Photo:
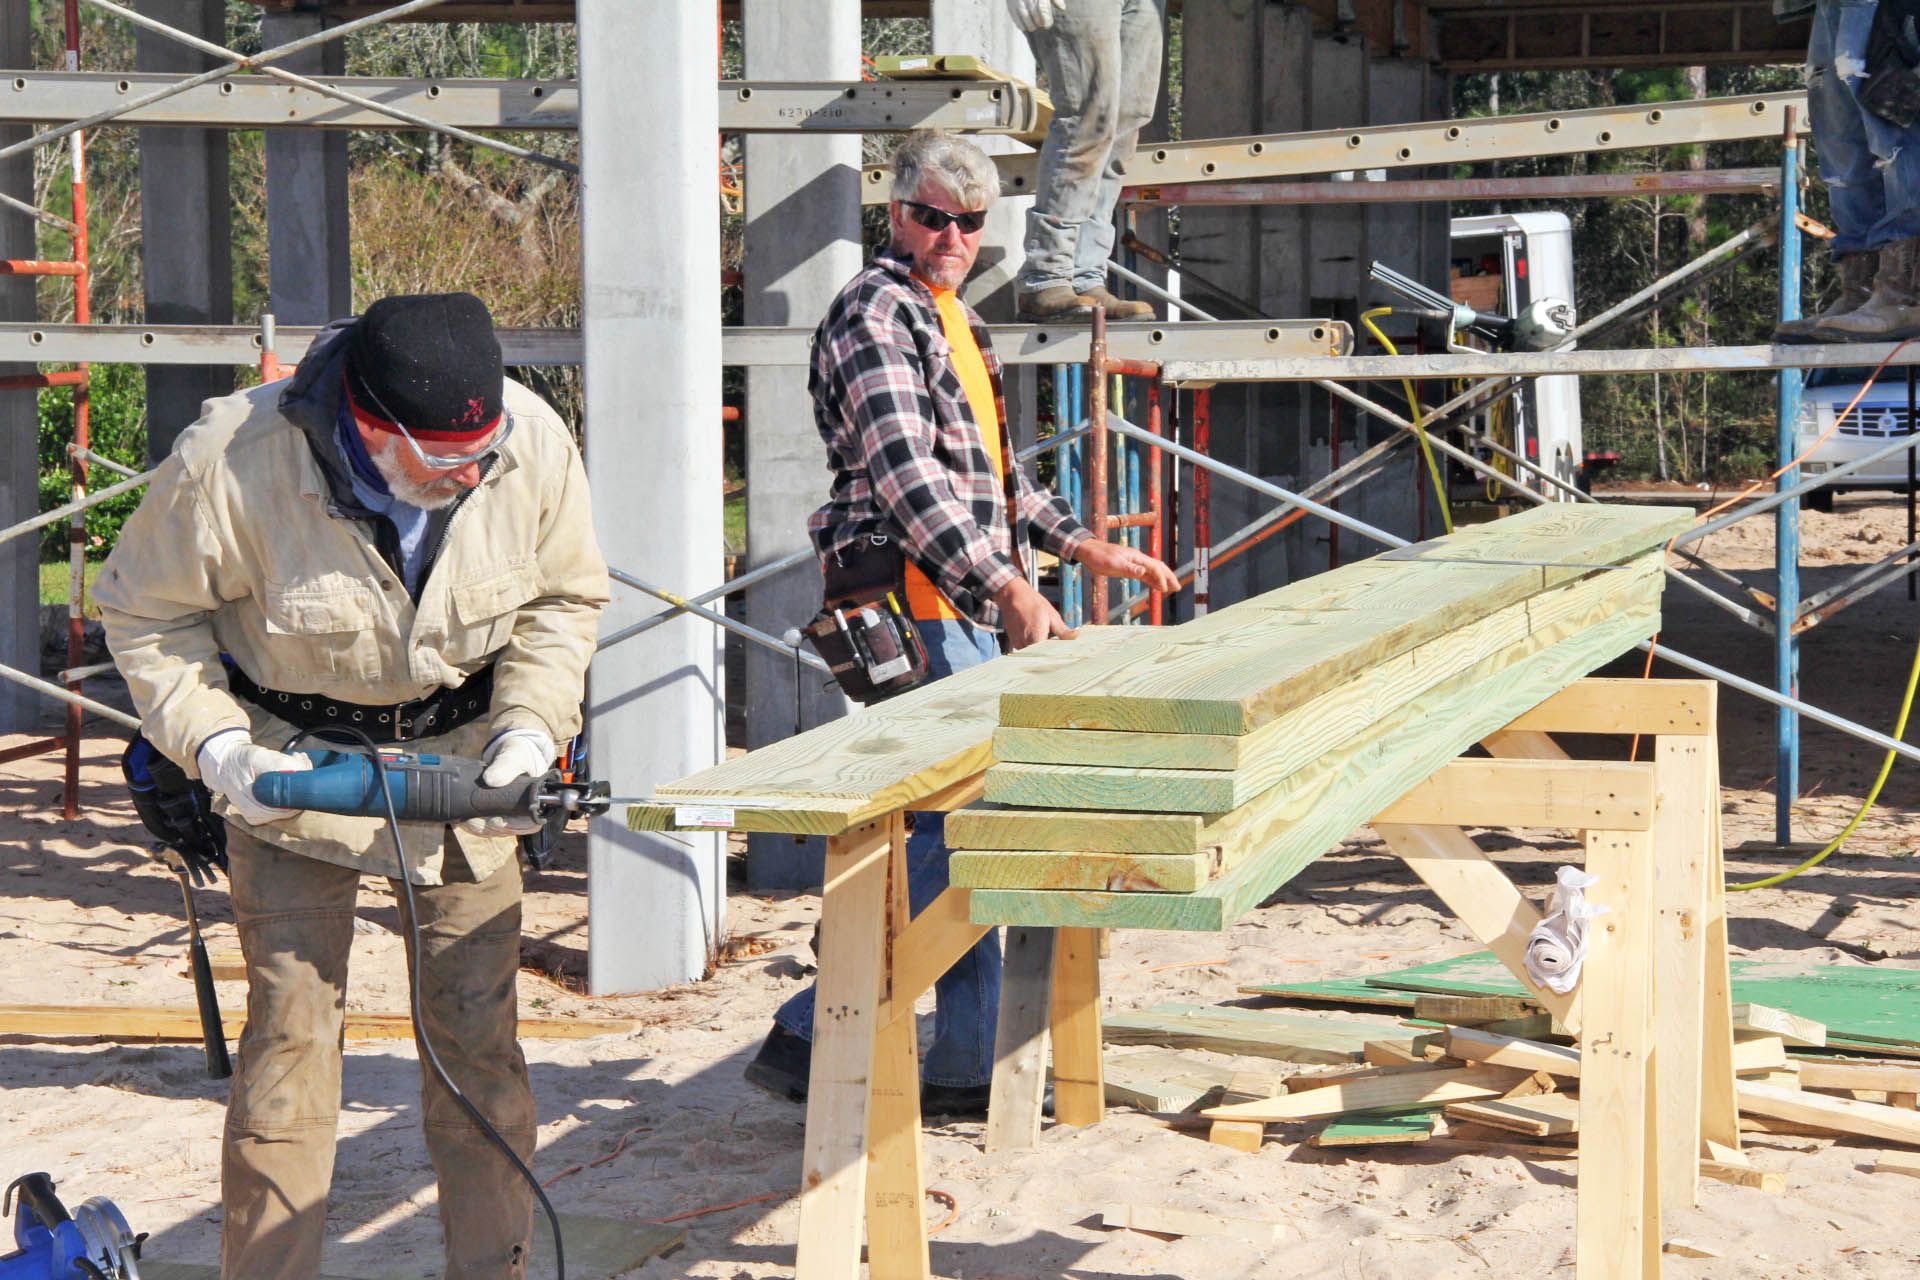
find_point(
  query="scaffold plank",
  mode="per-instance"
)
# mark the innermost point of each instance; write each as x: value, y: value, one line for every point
x: 1569, y: 186
x: 261, y: 102
x: 1468, y: 140
x: 740, y: 345
x: 1533, y: 364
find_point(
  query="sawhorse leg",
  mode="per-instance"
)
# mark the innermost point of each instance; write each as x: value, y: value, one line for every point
x: 1618, y: 1231
x: 1079, y: 1083
x: 1020, y: 1039
x: 896, y: 1217
x: 861, y: 1071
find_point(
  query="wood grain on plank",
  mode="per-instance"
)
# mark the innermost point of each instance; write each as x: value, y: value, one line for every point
x: 1332, y: 799
x: 1234, y: 679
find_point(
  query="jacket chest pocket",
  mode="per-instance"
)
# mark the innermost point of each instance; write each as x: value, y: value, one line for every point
x: 484, y: 610
x: 325, y: 629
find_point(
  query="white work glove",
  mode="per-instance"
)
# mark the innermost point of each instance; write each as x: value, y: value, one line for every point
x: 229, y: 762
x: 515, y: 754
x: 1034, y: 15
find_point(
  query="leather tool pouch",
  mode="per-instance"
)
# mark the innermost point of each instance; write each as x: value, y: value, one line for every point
x: 1892, y: 87
x: 862, y: 631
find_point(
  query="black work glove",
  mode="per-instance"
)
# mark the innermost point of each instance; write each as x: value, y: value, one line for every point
x: 188, y: 838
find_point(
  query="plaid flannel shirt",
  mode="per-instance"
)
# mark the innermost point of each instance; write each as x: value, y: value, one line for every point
x: 905, y: 451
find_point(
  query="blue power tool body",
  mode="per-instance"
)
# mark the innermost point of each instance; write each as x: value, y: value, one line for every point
x: 427, y: 788
x: 92, y: 1243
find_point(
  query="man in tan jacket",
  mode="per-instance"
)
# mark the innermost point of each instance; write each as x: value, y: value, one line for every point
x: 396, y: 539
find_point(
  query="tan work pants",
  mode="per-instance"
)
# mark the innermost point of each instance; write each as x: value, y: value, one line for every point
x: 296, y: 928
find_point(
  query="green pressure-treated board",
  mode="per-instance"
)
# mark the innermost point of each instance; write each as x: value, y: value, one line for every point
x: 1120, y: 872
x: 1300, y: 641
x: 1254, y: 1033
x: 1309, y: 732
x: 1568, y: 613
x: 882, y: 758
x: 1335, y: 991
x: 1333, y: 799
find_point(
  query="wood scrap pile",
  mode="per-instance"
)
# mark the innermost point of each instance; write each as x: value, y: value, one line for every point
x: 1468, y: 1081
x: 1176, y: 785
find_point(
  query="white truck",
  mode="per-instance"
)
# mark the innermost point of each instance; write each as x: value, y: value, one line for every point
x: 1501, y: 263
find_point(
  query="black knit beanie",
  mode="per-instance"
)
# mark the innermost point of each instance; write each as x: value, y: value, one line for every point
x: 429, y: 362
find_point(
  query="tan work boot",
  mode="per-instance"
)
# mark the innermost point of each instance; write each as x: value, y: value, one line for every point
x: 1856, y: 286
x: 1054, y: 303
x: 1892, y: 311
x: 1118, y: 308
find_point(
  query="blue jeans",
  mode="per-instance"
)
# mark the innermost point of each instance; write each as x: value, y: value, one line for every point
x: 967, y: 996
x: 1871, y: 167
x: 1102, y: 59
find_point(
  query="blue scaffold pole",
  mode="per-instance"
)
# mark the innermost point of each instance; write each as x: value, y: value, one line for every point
x: 1786, y: 645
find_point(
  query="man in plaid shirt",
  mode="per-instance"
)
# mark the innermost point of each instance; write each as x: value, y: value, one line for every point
x: 906, y: 394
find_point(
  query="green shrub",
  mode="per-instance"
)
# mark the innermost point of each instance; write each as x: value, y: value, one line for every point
x: 117, y: 419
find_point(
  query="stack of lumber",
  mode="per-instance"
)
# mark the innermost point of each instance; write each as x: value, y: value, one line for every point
x: 1466, y: 1083
x: 1175, y: 784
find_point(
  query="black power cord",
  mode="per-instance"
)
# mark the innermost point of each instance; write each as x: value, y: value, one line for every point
x: 372, y: 750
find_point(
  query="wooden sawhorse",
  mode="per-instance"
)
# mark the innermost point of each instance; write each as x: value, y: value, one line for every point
x: 1652, y: 1014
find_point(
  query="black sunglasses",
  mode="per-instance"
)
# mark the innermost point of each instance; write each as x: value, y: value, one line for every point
x: 937, y: 220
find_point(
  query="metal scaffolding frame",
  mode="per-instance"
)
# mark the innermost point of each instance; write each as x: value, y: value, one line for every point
x: 1300, y: 350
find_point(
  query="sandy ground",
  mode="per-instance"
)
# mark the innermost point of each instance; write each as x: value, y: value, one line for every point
x: 664, y: 1113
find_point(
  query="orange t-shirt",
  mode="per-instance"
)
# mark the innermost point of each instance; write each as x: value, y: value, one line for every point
x: 924, y: 599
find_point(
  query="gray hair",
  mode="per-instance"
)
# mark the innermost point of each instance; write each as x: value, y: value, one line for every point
x: 936, y: 158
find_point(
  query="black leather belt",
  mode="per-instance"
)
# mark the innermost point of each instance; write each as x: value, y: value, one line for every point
x: 439, y: 712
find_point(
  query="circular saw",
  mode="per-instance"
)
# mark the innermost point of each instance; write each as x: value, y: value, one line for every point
x: 93, y: 1242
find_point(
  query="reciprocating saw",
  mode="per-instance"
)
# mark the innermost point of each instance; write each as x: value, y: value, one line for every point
x: 428, y: 788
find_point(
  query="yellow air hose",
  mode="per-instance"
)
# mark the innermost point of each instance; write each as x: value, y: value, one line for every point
x: 1419, y: 420
x: 1886, y: 767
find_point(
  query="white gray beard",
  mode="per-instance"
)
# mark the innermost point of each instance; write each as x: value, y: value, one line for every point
x: 426, y: 497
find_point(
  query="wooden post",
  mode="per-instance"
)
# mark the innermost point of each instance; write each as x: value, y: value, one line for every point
x: 896, y: 1221
x: 1681, y: 832
x: 853, y: 923
x: 1020, y: 1042
x: 1618, y: 1231
x: 1079, y: 1089
x: 1719, y: 1108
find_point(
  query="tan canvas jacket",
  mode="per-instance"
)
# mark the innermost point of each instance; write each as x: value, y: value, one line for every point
x: 241, y: 548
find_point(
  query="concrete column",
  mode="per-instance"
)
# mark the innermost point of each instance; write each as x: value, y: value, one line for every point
x: 802, y: 245
x: 310, y: 276
x: 186, y: 237
x: 19, y: 418
x: 984, y: 29
x: 656, y: 906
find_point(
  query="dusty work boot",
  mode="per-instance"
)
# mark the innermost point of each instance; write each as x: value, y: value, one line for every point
x: 1856, y: 272
x: 1054, y: 303
x: 782, y: 1065
x: 1892, y: 311
x: 1118, y: 308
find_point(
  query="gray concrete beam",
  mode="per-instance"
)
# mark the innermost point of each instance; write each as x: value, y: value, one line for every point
x: 984, y: 29
x: 186, y: 234
x: 657, y: 901
x: 309, y: 255
x: 19, y: 419
x: 802, y: 245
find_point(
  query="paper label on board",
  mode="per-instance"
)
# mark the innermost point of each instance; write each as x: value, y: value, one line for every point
x: 702, y: 816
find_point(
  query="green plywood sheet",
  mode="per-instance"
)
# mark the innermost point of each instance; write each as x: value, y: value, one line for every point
x: 1340, y: 796
x: 1366, y: 1130
x: 1864, y: 1007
